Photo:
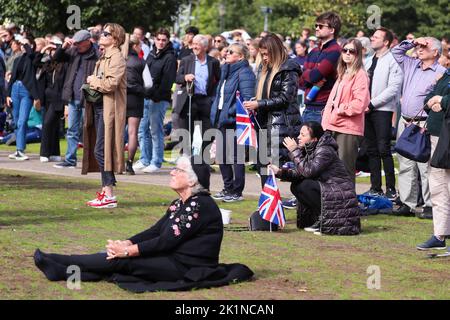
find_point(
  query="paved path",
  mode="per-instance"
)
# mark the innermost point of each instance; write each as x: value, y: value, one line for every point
x: 252, y: 184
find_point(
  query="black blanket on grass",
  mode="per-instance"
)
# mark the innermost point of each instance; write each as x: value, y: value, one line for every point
x: 195, y: 278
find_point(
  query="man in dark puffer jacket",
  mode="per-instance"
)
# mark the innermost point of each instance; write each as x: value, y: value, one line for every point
x: 317, y: 163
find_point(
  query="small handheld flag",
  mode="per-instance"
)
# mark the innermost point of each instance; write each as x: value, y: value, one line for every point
x: 270, y: 205
x: 245, y: 130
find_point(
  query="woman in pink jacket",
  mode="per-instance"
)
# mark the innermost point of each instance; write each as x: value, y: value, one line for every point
x: 344, y: 112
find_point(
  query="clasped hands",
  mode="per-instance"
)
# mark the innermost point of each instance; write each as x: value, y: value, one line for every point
x: 291, y: 145
x: 435, y: 103
x: 116, y: 249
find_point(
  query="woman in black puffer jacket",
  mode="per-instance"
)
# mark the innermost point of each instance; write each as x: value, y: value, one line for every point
x: 327, y: 202
x: 276, y: 105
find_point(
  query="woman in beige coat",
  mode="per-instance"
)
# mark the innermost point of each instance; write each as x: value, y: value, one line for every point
x: 105, y: 121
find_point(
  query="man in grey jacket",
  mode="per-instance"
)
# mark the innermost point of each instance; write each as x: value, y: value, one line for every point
x: 386, y: 79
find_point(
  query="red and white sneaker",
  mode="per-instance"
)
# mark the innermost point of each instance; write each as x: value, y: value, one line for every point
x: 103, y: 202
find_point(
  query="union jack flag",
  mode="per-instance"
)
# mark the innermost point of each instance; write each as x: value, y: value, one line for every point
x: 245, y: 130
x: 270, y: 206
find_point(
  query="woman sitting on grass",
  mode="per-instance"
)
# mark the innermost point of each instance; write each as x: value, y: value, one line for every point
x: 321, y: 184
x: 180, y: 252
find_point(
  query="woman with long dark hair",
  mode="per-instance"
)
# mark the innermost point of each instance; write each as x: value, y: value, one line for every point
x: 276, y: 100
x: 327, y: 202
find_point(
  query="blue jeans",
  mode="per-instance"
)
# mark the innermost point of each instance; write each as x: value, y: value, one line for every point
x: 33, y: 135
x: 312, y: 115
x: 73, y: 131
x: 22, y: 104
x: 145, y: 144
x: 157, y: 111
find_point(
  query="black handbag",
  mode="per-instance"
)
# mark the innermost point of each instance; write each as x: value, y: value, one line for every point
x: 414, y: 142
x: 441, y: 155
x: 91, y: 95
x: 256, y: 223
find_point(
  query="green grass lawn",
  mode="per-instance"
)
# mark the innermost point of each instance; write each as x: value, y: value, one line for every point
x: 49, y: 213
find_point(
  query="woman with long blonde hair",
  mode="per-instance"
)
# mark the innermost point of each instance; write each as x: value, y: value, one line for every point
x: 276, y: 100
x: 349, y: 99
x: 105, y: 120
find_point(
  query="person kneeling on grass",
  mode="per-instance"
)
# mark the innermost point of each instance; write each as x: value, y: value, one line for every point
x: 180, y: 252
x: 320, y: 182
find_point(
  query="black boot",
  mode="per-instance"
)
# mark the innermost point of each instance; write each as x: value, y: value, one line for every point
x: 129, y: 169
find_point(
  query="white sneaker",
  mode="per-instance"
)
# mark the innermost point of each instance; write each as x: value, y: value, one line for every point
x: 44, y: 159
x: 54, y: 159
x: 318, y: 233
x: 103, y: 202
x: 362, y: 174
x: 13, y: 155
x: 151, y: 169
x: 138, y: 165
x: 20, y: 156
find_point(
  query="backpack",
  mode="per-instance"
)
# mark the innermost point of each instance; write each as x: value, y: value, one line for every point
x: 256, y: 223
x: 373, y: 204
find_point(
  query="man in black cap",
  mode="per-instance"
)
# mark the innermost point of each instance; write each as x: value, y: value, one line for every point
x: 80, y: 56
x: 191, y: 32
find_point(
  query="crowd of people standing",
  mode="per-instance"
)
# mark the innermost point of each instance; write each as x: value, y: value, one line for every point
x: 318, y: 103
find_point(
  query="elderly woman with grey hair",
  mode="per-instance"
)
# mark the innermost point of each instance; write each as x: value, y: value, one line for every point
x: 180, y: 252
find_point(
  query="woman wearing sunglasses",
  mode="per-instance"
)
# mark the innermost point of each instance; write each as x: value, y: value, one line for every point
x: 236, y: 75
x: 105, y: 120
x: 349, y: 99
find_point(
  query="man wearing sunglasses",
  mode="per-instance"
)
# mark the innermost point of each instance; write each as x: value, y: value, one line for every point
x: 320, y: 66
x: 420, y: 76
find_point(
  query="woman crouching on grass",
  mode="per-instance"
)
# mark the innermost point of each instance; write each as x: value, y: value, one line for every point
x: 327, y: 202
x: 180, y: 252
x: 105, y: 121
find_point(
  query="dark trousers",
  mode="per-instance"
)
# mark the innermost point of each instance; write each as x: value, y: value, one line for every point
x: 378, y: 134
x: 307, y: 193
x: 108, y: 178
x: 200, y: 112
x: 50, y: 132
x: 227, y: 157
x: 95, y: 267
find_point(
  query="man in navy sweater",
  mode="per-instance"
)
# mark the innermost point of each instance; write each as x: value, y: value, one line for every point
x: 320, y: 66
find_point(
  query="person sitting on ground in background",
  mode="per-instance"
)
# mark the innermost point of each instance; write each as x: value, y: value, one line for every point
x: 327, y: 202
x: 33, y: 132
